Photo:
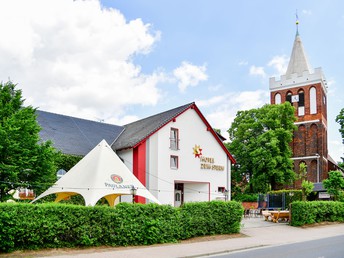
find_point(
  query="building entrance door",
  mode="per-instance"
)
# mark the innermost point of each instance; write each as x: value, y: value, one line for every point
x: 177, y: 198
x: 178, y: 194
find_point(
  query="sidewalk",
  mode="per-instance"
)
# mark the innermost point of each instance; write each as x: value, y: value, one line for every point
x: 258, y: 233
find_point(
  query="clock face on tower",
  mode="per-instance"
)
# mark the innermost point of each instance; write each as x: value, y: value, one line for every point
x: 295, y: 98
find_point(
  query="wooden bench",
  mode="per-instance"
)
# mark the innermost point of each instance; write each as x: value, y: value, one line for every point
x: 266, y: 215
x: 276, y: 215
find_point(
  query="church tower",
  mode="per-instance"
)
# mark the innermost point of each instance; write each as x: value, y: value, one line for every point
x: 306, y: 90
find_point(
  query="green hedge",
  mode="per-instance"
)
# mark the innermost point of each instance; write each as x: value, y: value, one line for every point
x: 316, y: 211
x: 28, y: 226
x: 245, y: 197
x: 210, y: 218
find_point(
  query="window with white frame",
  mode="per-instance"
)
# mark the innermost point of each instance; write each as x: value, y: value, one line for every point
x: 278, y: 98
x: 301, y: 103
x: 174, y: 139
x: 174, y: 162
x: 313, y: 100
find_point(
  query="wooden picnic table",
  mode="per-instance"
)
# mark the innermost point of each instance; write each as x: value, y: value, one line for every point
x: 276, y: 215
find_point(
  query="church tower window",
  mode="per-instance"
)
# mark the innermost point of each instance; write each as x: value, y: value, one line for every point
x: 301, y: 108
x: 288, y: 98
x: 278, y: 98
x: 313, y: 100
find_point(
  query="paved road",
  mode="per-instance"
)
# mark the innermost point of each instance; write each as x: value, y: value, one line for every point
x: 258, y: 233
x: 331, y: 247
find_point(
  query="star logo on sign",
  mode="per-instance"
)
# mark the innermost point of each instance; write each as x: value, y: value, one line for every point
x: 197, y: 151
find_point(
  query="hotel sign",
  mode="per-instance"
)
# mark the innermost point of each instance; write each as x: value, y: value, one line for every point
x: 209, y: 163
x: 206, y: 162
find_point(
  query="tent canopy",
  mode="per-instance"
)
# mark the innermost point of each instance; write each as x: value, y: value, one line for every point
x: 99, y: 174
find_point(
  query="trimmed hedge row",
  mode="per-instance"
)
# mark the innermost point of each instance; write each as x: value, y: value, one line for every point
x: 316, y: 211
x: 27, y: 226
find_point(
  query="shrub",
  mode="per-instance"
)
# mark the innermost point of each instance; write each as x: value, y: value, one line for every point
x: 245, y: 197
x: 210, y: 218
x: 28, y: 226
x: 316, y: 211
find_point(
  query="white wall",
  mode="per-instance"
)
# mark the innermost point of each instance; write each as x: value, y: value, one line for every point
x: 127, y: 157
x: 192, y: 131
x: 194, y: 192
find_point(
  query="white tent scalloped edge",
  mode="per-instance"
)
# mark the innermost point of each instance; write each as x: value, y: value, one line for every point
x: 101, y: 173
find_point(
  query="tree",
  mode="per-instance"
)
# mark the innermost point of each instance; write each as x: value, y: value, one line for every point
x: 340, y: 120
x: 260, y: 142
x: 24, y: 161
x: 334, y: 184
x: 306, y: 186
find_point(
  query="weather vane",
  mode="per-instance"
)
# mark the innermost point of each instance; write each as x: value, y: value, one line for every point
x: 297, y: 23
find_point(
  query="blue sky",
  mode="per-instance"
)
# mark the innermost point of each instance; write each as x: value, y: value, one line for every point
x: 119, y: 61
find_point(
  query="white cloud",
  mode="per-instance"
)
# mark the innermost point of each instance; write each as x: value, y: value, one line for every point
x: 220, y: 111
x: 336, y: 150
x: 243, y: 63
x: 307, y: 12
x: 189, y: 75
x: 75, y: 57
x: 258, y: 71
x: 279, y: 63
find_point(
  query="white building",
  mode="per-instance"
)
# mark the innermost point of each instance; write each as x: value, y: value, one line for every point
x: 176, y: 154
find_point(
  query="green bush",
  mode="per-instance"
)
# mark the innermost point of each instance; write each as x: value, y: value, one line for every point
x: 28, y: 226
x: 210, y: 218
x: 245, y: 197
x: 317, y: 211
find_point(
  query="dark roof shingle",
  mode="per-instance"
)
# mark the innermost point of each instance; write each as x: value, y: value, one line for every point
x: 73, y: 135
x: 137, y: 131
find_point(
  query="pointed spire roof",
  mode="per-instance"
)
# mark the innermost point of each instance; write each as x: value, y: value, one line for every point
x: 298, y: 60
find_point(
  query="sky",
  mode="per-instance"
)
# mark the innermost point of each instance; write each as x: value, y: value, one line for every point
x: 117, y: 61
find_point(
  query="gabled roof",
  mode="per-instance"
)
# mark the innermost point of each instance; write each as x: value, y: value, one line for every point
x: 73, y: 135
x: 137, y: 132
x: 298, y: 60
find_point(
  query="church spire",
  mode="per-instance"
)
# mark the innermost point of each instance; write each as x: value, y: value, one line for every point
x: 298, y: 60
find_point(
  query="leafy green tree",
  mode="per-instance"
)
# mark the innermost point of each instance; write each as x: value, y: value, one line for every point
x: 260, y: 142
x: 340, y: 120
x: 306, y: 186
x: 334, y: 184
x: 67, y: 161
x: 24, y: 160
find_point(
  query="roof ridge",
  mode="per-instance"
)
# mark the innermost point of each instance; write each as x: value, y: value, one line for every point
x: 79, y: 118
x: 166, y: 111
x: 136, y: 131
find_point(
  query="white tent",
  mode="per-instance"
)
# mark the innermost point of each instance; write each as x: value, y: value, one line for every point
x: 99, y: 174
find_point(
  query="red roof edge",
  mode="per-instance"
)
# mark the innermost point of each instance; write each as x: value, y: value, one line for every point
x: 209, y: 128
x: 161, y: 126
